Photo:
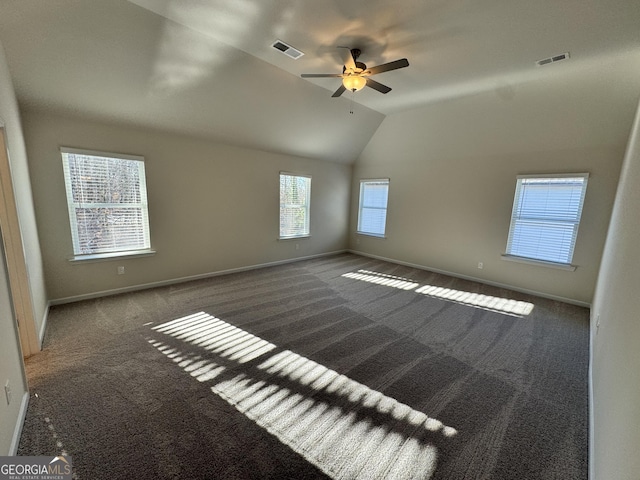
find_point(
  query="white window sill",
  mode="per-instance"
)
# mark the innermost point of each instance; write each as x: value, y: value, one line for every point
x: 101, y: 257
x: 375, y: 235
x: 540, y: 263
x: 294, y: 238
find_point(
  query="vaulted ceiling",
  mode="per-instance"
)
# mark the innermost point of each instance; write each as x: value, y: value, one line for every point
x: 207, y: 67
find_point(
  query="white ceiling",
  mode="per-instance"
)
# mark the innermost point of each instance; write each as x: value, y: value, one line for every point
x: 207, y: 68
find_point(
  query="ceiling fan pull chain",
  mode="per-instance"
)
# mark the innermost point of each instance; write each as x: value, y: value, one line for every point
x: 353, y: 94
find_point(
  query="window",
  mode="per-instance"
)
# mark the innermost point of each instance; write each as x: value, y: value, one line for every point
x: 107, y: 200
x: 546, y: 215
x: 295, y: 195
x: 372, y: 210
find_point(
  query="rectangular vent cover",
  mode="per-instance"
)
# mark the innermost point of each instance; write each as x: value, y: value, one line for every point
x: 288, y: 50
x: 555, y: 58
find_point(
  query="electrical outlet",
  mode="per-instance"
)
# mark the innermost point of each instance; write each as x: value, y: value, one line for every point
x: 480, y: 265
x: 7, y: 392
x: 121, y: 270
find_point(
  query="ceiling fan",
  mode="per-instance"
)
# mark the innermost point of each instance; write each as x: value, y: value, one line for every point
x: 355, y: 75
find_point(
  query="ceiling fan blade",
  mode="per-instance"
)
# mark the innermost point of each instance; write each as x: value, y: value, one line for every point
x: 339, y: 91
x: 347, y: 57
x: 320, y: 75
x: 378, y: 86
x: 385, y: 67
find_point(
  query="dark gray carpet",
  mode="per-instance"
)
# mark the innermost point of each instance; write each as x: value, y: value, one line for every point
x: 338, y: 367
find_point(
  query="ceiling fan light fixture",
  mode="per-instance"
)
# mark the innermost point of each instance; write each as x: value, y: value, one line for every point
x: 354, y: 82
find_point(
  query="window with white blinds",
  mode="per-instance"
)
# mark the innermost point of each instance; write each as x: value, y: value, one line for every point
x: 546, y: 215
x: 295, y: 196
x: 107, y: 200
x: 372, y: 211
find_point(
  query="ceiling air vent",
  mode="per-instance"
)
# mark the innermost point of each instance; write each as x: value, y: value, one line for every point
x: 288, y: 50
x: 555, y: 58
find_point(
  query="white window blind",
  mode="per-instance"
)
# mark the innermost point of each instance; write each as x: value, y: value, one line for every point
x: 295, y: 195
x: 107, y: 200
x: 546, y: 215
x: 372, y: 212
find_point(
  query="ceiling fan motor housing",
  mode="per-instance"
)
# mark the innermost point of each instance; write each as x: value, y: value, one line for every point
x: 360, y: 67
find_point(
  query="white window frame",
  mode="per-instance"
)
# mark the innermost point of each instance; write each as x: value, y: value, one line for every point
x: 567, y: 219
x: 284, y: 230
x: 144, y: 247
x: 361, y: 229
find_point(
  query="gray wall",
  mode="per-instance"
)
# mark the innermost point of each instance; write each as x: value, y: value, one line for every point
x: 453, y: 166
x: 212, y: 207
x: 615, y: 333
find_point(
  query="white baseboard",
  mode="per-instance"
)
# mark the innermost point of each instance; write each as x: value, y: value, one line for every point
x: 474, y: 279
x: 15, y: 440
x: 163, y: 283
x: 43, y: 325
x: 592, y: 445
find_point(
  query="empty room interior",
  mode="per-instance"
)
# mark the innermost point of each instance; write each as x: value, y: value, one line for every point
x: 339, y: 239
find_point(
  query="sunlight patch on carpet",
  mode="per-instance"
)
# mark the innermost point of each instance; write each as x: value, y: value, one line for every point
x: 216, y: 336
x: 382, y: 279
x: 507, y: 306
x: 501, y: 305
x: 343, y: 427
